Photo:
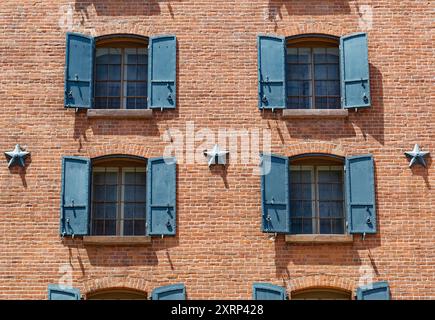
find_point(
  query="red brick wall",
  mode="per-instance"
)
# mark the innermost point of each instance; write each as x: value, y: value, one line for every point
x: 219, y: 250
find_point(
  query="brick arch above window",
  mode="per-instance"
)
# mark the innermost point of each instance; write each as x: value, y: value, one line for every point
x: 315, y: 148
x: 323, y: 281
x: 93, y: 285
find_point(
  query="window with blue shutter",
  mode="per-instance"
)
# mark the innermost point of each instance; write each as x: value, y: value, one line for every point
x: 79, y: 69
x: 162, y: 64
x: 271, y: 72
x: 161, y: 196
x: 355, y: 79
x: 275, y: 194
x: 60, y: 292
x: 75, y: 196
x: 171, y: 292
x: 360, y: 193
x: 374, y: 291
x: 267, y: 291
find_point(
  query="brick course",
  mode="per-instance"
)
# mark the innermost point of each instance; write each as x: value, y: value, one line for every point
x: 219, y: 250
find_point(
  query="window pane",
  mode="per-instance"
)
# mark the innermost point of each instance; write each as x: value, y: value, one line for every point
x: 319, y: 55
x: 115, y: 56
x: 300, y: 72
x: 304, y: 55
x: 142, y: 72
x: 321, y: 88
x: 111, y: 193
x: 100, y: 103
x: 334, y: 103
x: 99, y: 193
x: 131, y: 103
x: 139, y: 227
x: 114, y: 72
x: 98, y: 227
x: 110, y: 227
x: 131, y: 89
x: 141, y: 89
x: 333, y: 72
x: 113, y: 103
x: 101, y: 89
x: 110, y: 211
x: 102, y: 72
x: 129, y: 193
x: 142, y: 57
x: 140, y: 211
x: 102, y: 55
x: 130, y: 72
x: 129, y: 211
x: 332, y: 55
x: 128, y: 227
x: 292, y: 55
x: 325, y: 226
x: 98, y: 211
x: 114, y: 89
x: 321, y: 103
x: 333, y: 88
x: 130, y: 56
x: 141, y: 103
x: 140, y: 194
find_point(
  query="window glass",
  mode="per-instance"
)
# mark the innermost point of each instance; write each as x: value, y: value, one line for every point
x: 118, y: 201
x: 317, y: 199
x: 313, y: 78
x: 121, y: 78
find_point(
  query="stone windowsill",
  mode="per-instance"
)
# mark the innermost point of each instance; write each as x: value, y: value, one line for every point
x: 319, y: 238
x: 315, y: 113
x: 116, y: 240
x: 120, y: 113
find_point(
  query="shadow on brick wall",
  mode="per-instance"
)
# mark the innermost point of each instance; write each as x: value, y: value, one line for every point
x: 318, y: 255
x: 307, y: 7
x: 125, y: 7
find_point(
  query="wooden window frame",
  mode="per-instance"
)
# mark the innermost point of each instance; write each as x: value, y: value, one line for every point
x: 314, y: 165
x: 122, y: 42
x: 119, y: 165
x: 312, y: 42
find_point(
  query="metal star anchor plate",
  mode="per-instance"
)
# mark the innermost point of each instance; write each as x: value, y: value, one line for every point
x: 417, y: 156
x: 17, y: 156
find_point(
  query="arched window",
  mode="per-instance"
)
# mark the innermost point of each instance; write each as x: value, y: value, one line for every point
x: 118, y: 294
x: 321, y: 294
x: 313, y: 73
x: 317, y: 195
x: 121, y: 72
x: 118, y: 196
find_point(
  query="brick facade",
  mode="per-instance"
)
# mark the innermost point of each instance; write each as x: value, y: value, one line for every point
x: 219, y: 249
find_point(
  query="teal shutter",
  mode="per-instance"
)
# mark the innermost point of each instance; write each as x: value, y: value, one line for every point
x: 360, y: 194
x: 58, y: 292
x: 75, y: 196
x: 162, y: 66
x: 267, y: 291
x: 355, y: 79
x: 161, y: 196
x: 271, y: 72
x: 171, y: 292
x: 375, y: 291
x: 275, y: 194
x: 79, y: 71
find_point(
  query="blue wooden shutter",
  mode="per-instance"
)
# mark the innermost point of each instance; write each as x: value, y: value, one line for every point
x: 162, y: 66
x: 75, y: 196
x: 79, y: 71
x: 271, y: 72
x: 360, y: 194
x: 171, y: 292
x: 375, y: 291
x: 267, y: 291
x: 354, y: 64
x: 58, y: 292
x: 275, y: 194
x: 161, y: 195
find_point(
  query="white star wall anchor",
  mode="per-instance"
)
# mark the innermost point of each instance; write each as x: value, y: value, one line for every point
x: 417, y: 156
x: 216, y: 156
x: 17, y: 156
